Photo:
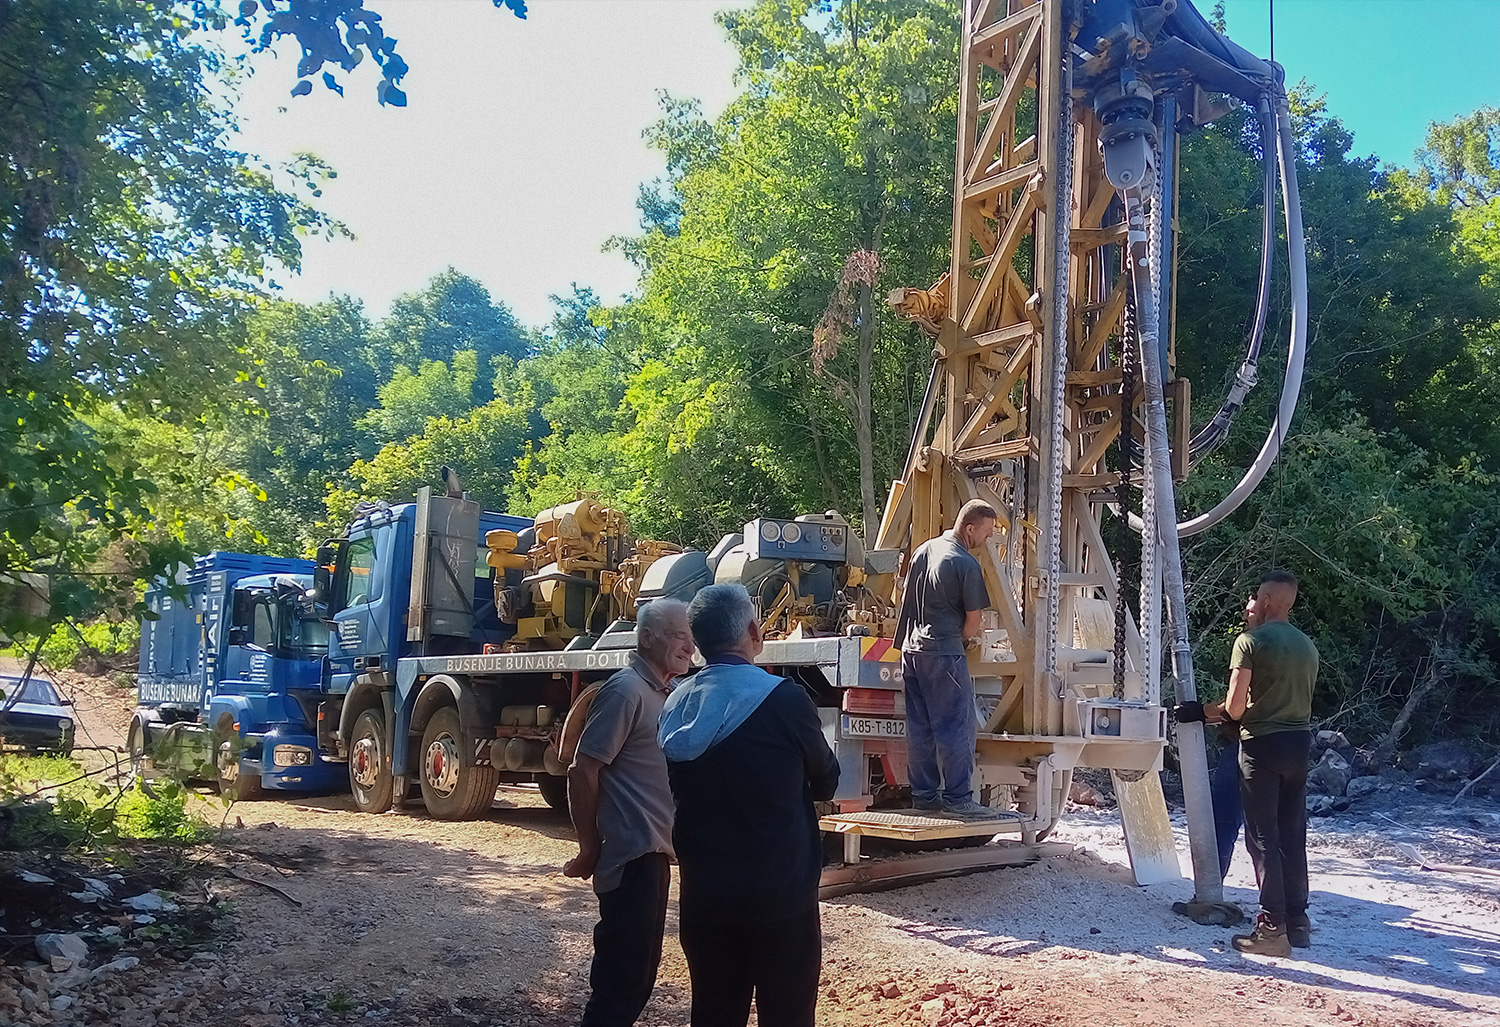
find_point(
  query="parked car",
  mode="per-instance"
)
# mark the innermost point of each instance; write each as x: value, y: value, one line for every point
x: 33, y: 715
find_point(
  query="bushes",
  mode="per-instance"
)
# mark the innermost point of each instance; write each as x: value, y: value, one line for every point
x: 47, y: 802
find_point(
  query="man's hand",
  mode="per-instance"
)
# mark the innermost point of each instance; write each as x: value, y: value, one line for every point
x: 1189, y: 713
x: 581, y: 866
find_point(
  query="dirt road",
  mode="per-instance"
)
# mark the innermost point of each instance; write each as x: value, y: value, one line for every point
x: 415, y: 921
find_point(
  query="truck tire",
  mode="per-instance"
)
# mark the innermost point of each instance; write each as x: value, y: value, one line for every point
x: 452, y: 787
x: 135, y: 749
x: 370, y: 780
x: 246, y: 787
x: 555, y: 790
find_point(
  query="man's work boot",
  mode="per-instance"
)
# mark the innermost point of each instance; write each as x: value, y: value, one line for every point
x: 1266, y: 940
x: 971, y: 810
x: 1299, y: 931
x: 932, y: 805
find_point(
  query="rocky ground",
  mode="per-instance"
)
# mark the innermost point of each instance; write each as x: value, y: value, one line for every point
x: 303, y: 912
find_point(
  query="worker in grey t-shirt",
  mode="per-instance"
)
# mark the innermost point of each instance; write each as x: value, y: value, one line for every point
x: 621, y: 802
x: 940, y: 609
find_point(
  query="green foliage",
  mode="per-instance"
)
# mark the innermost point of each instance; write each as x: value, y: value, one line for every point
x: 103, y: 639
x: 54, y: 804
x: 132, y: 239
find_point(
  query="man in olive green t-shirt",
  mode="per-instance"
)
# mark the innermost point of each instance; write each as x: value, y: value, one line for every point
x: 1272, y: 672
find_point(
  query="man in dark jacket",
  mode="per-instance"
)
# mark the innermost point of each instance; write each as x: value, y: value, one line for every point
x: 747, y: 759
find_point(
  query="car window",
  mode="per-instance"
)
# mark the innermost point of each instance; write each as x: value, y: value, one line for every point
x: 264, y: 631
x: 34, y: 690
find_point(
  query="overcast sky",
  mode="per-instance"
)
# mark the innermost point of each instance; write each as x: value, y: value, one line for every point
x: 520, y: 152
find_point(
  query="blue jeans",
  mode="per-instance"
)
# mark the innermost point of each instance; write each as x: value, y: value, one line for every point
x: 941, y: 727
x: 1225, y: 790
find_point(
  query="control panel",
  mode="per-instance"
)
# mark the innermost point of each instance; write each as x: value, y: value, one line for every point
x: 816, y: 541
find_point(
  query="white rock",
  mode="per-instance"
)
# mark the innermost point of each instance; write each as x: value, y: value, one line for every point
x: 144, y: 918
x: 86, y: 897
x: 94, y: 885
x: 149, y: 902
x: 30, y: 878
x: 108, y: 931
x: 69, y: 946
x: 117, y: 966
x: 62, y: 1002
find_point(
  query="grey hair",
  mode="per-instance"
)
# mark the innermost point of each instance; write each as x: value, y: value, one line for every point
x: 720, y: 615
x: 654, y: 615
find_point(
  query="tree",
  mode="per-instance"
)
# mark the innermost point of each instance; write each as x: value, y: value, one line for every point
x: 829, y: 179
x: 133, y: 238
x: 452, y: 314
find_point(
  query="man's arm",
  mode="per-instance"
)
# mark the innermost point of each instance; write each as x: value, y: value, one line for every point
x: 822, y: 765
x: 972, y: 622
x: 1234, y: 704
x: 583, y: 804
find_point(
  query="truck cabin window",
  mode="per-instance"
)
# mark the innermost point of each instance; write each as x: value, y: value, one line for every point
x: 263, y: 625
x: 359, y: 580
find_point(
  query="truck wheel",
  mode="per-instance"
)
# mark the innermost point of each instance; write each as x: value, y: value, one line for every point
x: 370, y: 780
x: 246, y: 787
x: 135, y: 750
x: 554, y: 790
x: 452, y: 787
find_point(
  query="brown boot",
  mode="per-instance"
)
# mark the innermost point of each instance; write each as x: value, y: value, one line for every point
x: 1266, y: 940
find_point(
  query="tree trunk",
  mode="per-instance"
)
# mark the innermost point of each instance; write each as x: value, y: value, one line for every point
x: 1437, y: 672
x: 864, y: 437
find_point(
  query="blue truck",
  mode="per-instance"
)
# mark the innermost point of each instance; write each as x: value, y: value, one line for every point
x: 231, y: 676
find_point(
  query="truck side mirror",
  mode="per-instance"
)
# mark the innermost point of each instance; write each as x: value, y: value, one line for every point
x: 241, y: 613
x: 239, y: 634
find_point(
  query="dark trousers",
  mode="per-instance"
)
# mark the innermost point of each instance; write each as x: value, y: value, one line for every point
x: 1273, y: 784
x: 1228, y: 812
x: 941, y: 726
x: 778, y: 962
x: 627, y: 943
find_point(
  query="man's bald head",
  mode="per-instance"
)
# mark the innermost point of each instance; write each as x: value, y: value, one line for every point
x: 1277, y: 593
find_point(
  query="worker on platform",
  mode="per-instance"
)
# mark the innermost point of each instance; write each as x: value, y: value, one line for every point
x: 1272, y: 673
x: 621, y: 805
x: 940, y: 615
x: 747, y: 760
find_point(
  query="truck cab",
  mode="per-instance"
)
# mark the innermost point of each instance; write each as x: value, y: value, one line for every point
x: 406, y: 580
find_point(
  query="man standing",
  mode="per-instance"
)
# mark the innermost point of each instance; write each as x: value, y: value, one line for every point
x: 622, y: 808
x: 1272, y: 673
x: 940, y: 610
x: 747, y: 760
x: 1225, y: 789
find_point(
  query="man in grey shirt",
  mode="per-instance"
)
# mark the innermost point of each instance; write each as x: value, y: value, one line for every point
x: 940, y: 608
x: 621, y: 804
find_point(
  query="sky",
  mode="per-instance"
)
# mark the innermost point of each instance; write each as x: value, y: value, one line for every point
x: 520, y: 154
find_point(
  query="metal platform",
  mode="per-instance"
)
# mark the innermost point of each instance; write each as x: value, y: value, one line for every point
x: 913, y: 825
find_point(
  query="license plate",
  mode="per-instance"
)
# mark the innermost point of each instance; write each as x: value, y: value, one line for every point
x: 873, y: 727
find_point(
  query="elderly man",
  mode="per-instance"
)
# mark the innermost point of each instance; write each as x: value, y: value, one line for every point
x: 940, y: 611
x: 747, y: 760
x: 622, y: 808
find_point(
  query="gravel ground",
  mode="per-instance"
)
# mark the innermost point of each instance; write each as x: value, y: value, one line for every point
x: 407, y: 921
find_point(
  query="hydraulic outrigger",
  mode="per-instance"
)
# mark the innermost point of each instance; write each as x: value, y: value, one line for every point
x: 1050, y: 396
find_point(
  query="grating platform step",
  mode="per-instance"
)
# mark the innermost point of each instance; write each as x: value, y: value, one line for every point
x: 920, y: 825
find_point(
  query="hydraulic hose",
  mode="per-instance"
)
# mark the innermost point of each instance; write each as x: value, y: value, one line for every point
x: 1297, y: 351
x: 1209, y: 437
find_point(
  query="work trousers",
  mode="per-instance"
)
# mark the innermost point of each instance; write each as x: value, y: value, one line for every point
x: 941, y: 727
x: 1273, y: 784
x: 627, y: 943
x: 778, y: 962
x: 1228, y: 812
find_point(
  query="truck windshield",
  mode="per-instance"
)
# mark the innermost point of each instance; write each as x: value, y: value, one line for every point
x: 303, y: 634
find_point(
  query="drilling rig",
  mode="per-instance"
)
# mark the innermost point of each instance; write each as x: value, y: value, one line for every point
x: 1053, y: 394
